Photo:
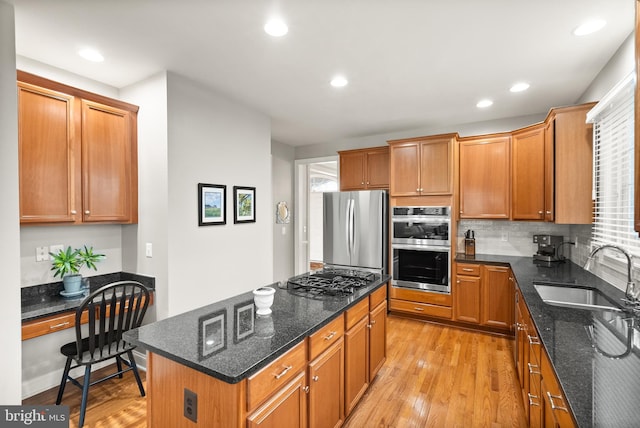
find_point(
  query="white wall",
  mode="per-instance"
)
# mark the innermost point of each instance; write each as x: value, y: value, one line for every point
x: 153, y: 204
x: 9, y: 217
x: 215, y: 140
x: 282, y: 167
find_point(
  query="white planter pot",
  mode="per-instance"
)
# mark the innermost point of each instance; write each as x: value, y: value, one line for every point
x: 263, y: 298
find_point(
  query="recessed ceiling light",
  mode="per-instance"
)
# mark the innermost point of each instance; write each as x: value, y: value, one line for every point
x: 484, y: 103
x: 339, y: 82
x: 91, y: 55
x: 519, y: 87
x: 589, y: 27
x: 276, y: 27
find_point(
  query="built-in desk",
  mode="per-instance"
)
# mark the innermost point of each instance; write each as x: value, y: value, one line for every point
x: 45, y: 311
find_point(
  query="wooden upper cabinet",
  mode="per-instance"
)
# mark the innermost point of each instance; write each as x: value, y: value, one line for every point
x: 364, y: 169
x: 528, y: 174
x: 573, y: 145
x: 46, y: 163
x: 422, y: 166
x: 485, y: 176
x: 106, y: 163
x: 77, y: 155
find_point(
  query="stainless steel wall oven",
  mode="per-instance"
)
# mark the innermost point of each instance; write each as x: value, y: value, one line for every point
x: 421, y: 248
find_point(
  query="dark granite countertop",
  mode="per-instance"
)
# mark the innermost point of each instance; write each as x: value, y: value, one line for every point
x: 228, y: 341
x: 600, y: 390
x: 40, y: 301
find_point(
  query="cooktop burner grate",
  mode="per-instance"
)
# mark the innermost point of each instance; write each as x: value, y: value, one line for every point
x: 331, y: 282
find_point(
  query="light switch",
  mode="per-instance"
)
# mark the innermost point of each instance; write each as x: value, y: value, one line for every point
x: 149, y: 250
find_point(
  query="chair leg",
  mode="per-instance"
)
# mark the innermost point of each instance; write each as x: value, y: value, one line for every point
x: 85, y: 394
x: 119, y: 364
x: 134, y: 366
x: 63, y: 383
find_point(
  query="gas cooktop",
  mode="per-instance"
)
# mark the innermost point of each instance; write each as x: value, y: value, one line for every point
x: 331, y: 282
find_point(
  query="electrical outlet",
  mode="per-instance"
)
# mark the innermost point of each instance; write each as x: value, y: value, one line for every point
x: 55, y: 249
x: 190, y: 405
x: 505, y: 236
x: 42, y: 254
x: 149, y: 250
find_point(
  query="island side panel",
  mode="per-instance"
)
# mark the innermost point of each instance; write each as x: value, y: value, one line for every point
x: 219, y: 404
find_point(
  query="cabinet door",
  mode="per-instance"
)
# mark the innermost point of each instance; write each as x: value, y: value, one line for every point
x: 356, y: 363
x: 377, y: 169
x: 352, y: 170
x: 497, y: 297
x: 405, y: 172
x: 573, y: 166
x: 326, y: 388
x: 47, y: 155
x: 106, y: 163
x: 467, y: 299
x: 286, y: 408
x: 485, y: 175
x: 549, y: 171
x: 377, y: 339
x: 436, y: 167
x: 528, y: 174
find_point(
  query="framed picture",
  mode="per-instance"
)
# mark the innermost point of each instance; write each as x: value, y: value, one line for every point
x: 212, y: 335
x: 212, y: 201
x: 244, y: 204
x: 244, y: 320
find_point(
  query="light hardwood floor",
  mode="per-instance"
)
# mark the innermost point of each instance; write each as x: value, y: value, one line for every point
x: 435, y: 376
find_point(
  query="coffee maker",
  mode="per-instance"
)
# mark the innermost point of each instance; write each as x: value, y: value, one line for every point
x: 548, y: 246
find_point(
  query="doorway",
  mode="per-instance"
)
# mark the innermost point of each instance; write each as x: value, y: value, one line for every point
x: 313, y: 177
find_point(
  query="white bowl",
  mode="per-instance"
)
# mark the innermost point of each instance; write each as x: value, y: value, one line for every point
x: 263, y: 298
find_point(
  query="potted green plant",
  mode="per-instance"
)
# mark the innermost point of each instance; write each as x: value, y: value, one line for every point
x: 67, y: 263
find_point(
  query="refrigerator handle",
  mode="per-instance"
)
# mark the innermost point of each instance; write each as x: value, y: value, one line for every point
x: 352, y: 227
x: 348, y: 227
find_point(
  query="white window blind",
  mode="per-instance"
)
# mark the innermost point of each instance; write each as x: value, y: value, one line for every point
x: 613, y: 167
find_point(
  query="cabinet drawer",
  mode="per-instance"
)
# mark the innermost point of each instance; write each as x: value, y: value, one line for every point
x: 466, y: 269
x: 325, y: 337
x: 439, y: 299
x: 420, y: 308
x: 377, y: 297
x: 356, y: 313
x: 42, y: 326
x: 275, y: 375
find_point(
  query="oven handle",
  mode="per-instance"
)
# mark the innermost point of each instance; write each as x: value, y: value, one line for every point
x: 440, y: 249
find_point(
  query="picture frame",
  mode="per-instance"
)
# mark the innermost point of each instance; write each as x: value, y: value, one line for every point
x: 212, y: 204
x: 244, y: 320
x: 212, y: 334
x: 244, y: 204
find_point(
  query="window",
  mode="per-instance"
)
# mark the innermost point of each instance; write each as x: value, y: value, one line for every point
x: 613, y: 178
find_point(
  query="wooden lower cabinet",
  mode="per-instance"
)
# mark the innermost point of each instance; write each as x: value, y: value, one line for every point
x: 326, y: 388
x: 543, y: 399
x: 377, y: 339
x: 287, y: 407
x: 483, y: 295
x: 420, y: 303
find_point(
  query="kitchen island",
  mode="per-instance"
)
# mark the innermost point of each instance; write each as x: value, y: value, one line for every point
x: 600, y: 389
x: 224, y: 366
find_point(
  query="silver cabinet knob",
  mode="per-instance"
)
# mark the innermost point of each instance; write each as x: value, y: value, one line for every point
x: 315, y: 378
x: 74, y: 212
x: 87, y: 212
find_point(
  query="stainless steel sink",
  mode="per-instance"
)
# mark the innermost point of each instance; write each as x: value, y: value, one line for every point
x: 576, y: 297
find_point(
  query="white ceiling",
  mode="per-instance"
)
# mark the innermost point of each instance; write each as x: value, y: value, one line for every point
x: 410, y: 63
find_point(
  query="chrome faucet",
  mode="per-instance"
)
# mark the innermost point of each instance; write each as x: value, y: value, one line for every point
x: 631, y: 293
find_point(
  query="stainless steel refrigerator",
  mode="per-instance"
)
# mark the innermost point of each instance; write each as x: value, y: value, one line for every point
x: 355, y: 229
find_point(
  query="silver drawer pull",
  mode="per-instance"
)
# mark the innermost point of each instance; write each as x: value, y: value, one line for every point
x: 553, y: 405
x: 533, y: 340
x: 330, y: 335
x: 418, y: 309
x: 532, y: 398
x: 533, y: 369
x: 467, y: 270
x: 283, y: 372
x: 62, y: 324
